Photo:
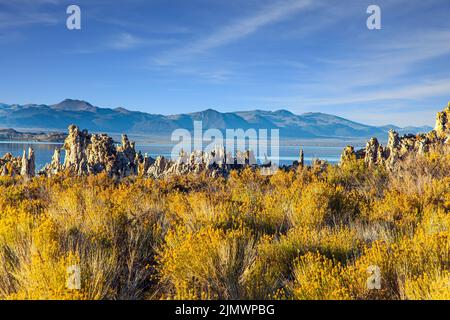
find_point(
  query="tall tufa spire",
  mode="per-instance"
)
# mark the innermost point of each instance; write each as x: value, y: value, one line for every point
x: 301, y: 159
x: 28, y: 166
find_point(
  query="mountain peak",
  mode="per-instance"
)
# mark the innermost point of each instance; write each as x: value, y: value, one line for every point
x: 74, y: 105
x: 207, y: 113
x: 122, y: 110
x: 209, y: 110
x: 284, y: 112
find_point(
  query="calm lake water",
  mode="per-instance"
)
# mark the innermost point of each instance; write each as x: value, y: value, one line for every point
x: 288, y: 153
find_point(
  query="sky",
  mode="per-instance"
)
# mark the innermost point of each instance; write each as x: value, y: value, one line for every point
x: 179, y: 56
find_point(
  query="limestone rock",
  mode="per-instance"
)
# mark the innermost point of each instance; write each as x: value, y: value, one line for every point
x: 28, y: 167
x: 55, y: 166
x: 56, y: 161
x: 9, y: 165
x: 372, y: 152
x: 442, y: 127
x: 215, y: 163
x: 398, y: 148
x: 94, y: 153
x: 319, y: 165
x: 75, y: 147
x: 348, y: 155
x: 301, y: 160
x: 14, y: 166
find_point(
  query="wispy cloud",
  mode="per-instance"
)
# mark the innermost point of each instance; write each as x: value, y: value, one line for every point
x: 22, y: 13
x: 373, y: 66
x: 149, y: 28
x: 14, y: 20
x: 124, y: 41
x: 410, y: 92
x: 376, y: 73
x: 217, y: 75
x: 377, y: 81
x: 237, y: 30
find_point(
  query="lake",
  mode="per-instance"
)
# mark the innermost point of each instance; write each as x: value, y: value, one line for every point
x: 289, y: 152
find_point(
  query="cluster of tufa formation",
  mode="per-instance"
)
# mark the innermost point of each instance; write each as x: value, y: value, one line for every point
x: 398, y: 148
x: 87, y: 154
x: 217, y: 162
x: 13, y: 166
x: 92, y: 154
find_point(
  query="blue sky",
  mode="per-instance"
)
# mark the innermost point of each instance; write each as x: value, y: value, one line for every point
x: 184, y: 56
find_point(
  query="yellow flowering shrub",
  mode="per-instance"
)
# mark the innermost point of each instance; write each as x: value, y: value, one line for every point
x: 321, y: 203
x: 435, y: 286
x: 210, y: 263
x: 298, y: 234
x: 319, y: 278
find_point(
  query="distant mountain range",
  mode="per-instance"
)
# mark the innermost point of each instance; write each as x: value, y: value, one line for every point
x: 14, y: 135
x: 119, y: 120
